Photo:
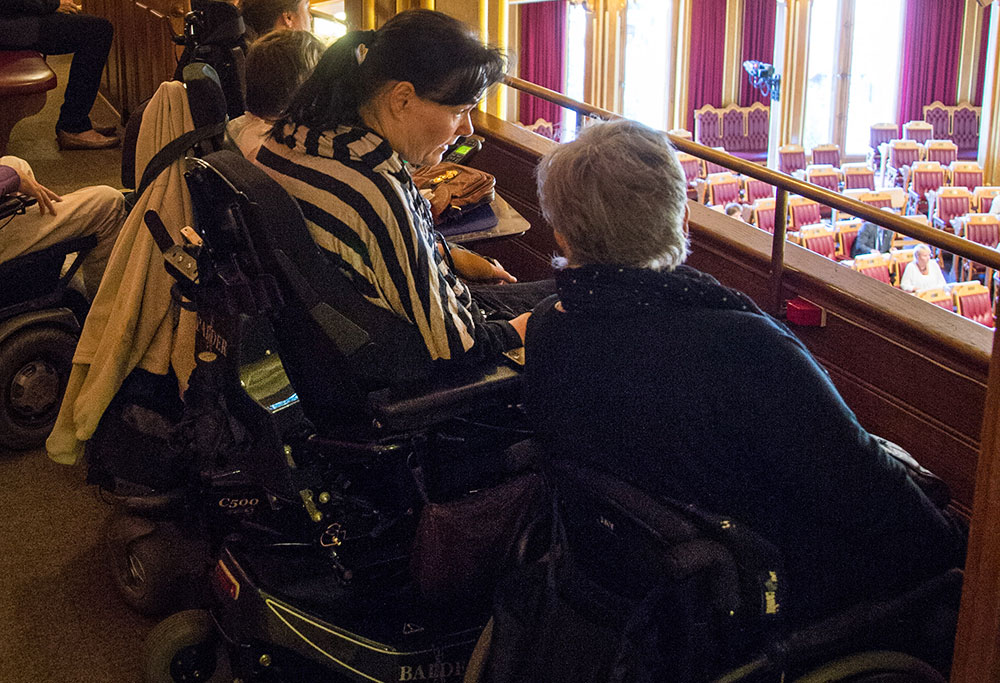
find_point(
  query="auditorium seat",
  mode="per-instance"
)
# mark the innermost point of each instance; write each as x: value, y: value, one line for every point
x: 791, y: 158
x: 880, y: 134
x: 942, y: 151
x: 972, y: 301
x: 820, y: 239
x: 951, y: 202
x: 847, y: 232
x: 826, y: 154
x: 925, y: 176
x: 754, y: 189
x: 723, y: 188
x: 691, y: 165
x: 899, y: 259
x: 901, y: 155
x: 873, y: 265
x: 938, y: 297
x: 984, y: 229
x: 711, y: 167
x: 824, y: 175
x: 763, y: 214
x: 920, y: 131
x: 983, y: 196
x: 879, y: 199
x: 802, y: 211
x: 968, y: 174
x: 25, y: 79
x: 858, y: 175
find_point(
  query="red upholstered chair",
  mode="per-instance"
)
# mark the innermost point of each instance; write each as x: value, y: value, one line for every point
x: 880, y: 200
x: 901, y: 156
x: 754, y: 189
x: 925, y: 176
x: 25, y: 79
x: 982, y: 197
x: 847, y: 232
x: 942, y: 151
x: 967, y: 174
x: 880, y: 134
x: 826, y: 154
x: 965, y: 130
x: 820, y: 239
x: 723, y: 188
x: 899, y: 259
x: 951, y: 203
x: 707, y: 126
x: 938, y: 297
x: 763, y: 214
x: 873, y: 265
x: 984, y: 229
x: 791, y: 158
x: 921, y: 131
x: 733, y: 138
x: 803, y: 211
x: 711, y: 168
x: 691, y: 165
x: 758, y: 129
x: 858, y: 176
x: 824, y: 175
x: 939, y: 117
x: 972, y: 301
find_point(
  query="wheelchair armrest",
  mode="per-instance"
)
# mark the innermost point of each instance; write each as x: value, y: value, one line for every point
x: 441, y: 398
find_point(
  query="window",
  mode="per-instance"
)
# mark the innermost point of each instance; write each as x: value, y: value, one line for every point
x: 854, y: 53
x: 646, y: 61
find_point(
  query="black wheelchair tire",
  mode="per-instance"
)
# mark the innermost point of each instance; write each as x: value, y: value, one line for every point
x: 37, y: 360
x: 149, y: 568
x: 876, y: 666
x: 185, y: 647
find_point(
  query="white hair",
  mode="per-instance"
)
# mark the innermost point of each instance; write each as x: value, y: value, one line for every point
x: 617, y: 195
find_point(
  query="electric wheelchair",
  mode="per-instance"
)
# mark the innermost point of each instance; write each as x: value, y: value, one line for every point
x: 42, y: 311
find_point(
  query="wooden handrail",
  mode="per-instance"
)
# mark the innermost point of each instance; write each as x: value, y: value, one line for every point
x: 938, y: 238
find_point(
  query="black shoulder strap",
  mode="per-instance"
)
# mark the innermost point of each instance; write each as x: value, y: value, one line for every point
x: 175, y: 149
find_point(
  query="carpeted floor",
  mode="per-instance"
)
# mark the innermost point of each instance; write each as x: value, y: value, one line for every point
x: 61, y: 620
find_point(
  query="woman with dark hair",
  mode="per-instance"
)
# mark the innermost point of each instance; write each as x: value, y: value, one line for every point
x: 378, y: 103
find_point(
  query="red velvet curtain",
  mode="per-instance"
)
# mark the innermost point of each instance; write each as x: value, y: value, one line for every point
x: 977, y: 94
x: 543, y: 57
x: 932, y: 37
x: 758, y: 43
x: 708, y: 36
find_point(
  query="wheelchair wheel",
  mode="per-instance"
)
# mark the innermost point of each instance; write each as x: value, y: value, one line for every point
x: 874, y: 667
x: 34, y: 368
x: 149, y: 562
x: 185, y: 647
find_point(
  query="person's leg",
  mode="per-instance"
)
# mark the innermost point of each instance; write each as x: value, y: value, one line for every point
x: 503, y: 302
x: 88, y: 39
x: 97, y: 210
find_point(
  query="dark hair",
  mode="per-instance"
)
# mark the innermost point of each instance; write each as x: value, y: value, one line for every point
x: 277, y: 63
x: 438, y: 54
x: 260, y: 16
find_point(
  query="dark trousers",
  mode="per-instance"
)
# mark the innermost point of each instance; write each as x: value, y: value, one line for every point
x: 503, y: 302
x: 88, y: 39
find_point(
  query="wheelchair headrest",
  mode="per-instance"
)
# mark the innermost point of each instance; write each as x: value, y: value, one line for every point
x: 204, y: 93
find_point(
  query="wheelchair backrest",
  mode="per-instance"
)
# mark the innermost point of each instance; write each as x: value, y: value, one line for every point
x: 323, y: 326
x: 719, y: 585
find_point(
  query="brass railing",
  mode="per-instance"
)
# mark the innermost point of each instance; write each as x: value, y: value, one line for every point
x: 784, y: 184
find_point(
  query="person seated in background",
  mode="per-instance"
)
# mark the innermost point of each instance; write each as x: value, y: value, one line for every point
x: 735, y: 210
x: 97, y: 210
x: 277, y: 63
x: 377, y: 104
x: 656, y: 373
x: 55, y: 27
x: 261, y: 16
x: 922, y: 272
x: 872, y: 239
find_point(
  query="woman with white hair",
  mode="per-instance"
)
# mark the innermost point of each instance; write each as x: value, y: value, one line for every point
x: 653, y: 371
x: 922, y: 272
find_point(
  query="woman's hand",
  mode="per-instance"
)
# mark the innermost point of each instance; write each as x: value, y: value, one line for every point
x: 33, y: 188
x: 473, y: 267
x: 69, y: 7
